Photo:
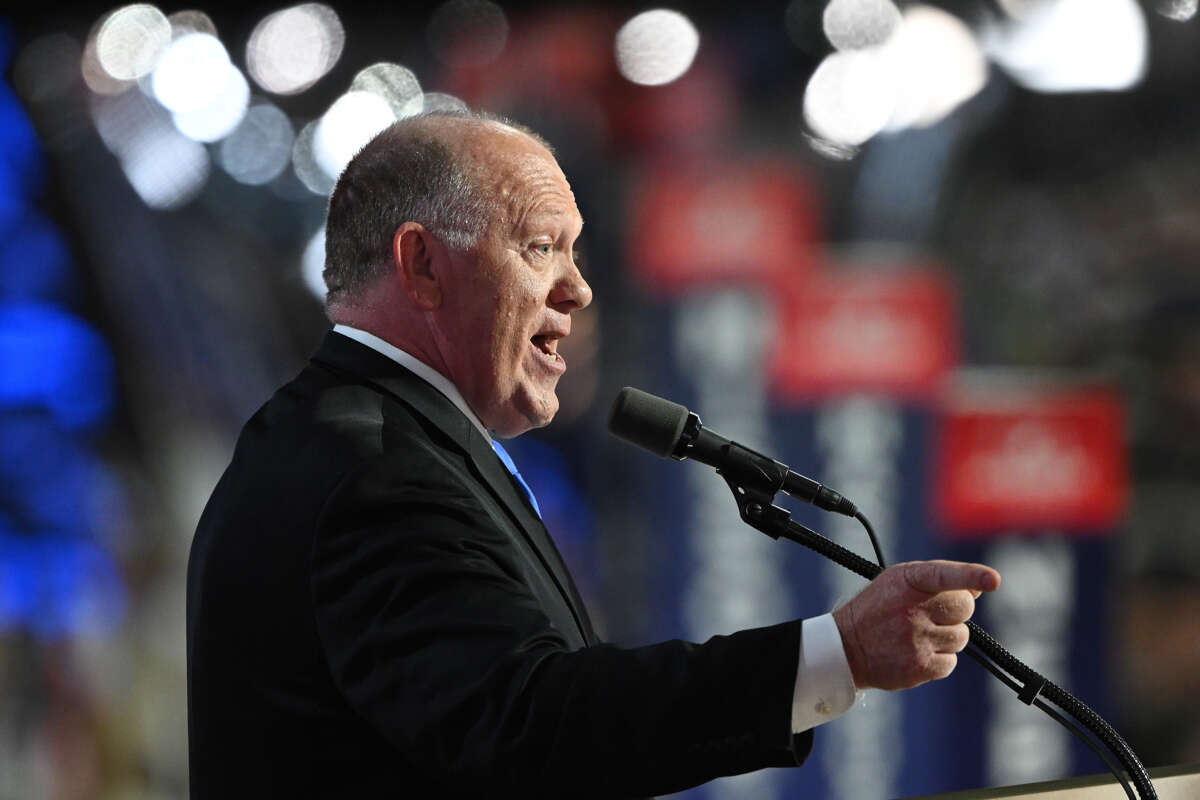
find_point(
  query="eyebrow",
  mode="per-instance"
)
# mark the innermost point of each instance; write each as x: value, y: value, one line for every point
x: 538, y: 219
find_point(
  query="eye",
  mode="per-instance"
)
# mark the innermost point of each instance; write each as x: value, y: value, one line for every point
x: 543, y: 248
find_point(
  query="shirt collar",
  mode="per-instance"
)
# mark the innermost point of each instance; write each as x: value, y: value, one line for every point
x: 410, y: 362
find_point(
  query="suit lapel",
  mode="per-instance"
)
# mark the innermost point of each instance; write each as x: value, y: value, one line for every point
x: 364, y: 365
x: 502, y: 483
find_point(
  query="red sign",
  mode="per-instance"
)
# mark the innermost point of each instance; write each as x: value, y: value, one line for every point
x: 721, y: 222
x: 1029, y: 459
x: 891, y: 332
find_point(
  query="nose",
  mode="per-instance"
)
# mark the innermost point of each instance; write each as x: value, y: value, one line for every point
x: 571, y: 292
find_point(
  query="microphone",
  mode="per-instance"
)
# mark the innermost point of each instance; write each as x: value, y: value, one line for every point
x: 669, y: 430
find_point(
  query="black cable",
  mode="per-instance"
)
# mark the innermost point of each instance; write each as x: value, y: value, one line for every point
x: 1035, y: 684
x: 1078, y: 732
x: 866, y: 523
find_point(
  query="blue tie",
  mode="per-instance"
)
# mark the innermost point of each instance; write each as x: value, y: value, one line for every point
x: 512, y: 468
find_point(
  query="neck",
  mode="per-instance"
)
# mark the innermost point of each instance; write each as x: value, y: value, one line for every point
x: 403, y: 330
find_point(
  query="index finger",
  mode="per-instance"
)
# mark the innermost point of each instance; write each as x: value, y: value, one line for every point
x: 932, y: 577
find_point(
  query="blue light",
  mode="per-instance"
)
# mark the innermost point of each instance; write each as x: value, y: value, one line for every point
x: 51, y: 359
x: 56, y: 587
x: 52, y: 481
x: 35, y: 263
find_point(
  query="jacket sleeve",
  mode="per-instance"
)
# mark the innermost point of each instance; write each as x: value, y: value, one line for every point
x: 434, y: 639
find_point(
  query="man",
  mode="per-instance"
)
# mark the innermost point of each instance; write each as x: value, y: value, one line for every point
x: 374, y: 608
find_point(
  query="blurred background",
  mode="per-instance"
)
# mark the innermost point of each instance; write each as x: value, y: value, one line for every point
x: 941, y: 256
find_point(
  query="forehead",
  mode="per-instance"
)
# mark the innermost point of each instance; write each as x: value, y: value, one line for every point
x: 524, y: 181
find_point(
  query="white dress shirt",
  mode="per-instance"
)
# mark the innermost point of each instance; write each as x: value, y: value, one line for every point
x: 824, y: 685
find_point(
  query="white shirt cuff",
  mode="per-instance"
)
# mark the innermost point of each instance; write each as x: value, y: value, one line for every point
x: 824, y: 684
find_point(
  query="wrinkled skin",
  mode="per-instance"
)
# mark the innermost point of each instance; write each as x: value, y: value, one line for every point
x: 908, y: 625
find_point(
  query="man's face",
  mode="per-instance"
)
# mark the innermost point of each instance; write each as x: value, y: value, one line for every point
x: 508, y: 300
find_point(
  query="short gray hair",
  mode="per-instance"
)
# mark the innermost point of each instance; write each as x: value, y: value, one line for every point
x: 405, y: 174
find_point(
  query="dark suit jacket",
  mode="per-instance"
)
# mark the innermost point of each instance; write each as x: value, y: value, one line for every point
x: 374, y: 610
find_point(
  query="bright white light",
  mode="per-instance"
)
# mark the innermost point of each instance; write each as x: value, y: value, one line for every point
x: 131, y: 39
x: 1073, y: 46
x: 166, y: 169
x: 312, y: 265
x: 261, y: 146
x: 191, y: 73
x: 1178, y: 10
x: 467, y: 32
x: 855, y: 24
x: 937, y: 64
x: 656, y: 47
x: 351, y: 122
x: 930, y: 65
x: 304, y: 162
x: 217, y: 119
x: 850, y: 97
x: 396, y: 84
x: 292, y: 49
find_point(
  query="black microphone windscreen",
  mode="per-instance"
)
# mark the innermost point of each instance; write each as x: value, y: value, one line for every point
x: 648, y: 421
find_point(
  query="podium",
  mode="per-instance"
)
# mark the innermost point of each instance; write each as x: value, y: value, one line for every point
x: 1180, y: 782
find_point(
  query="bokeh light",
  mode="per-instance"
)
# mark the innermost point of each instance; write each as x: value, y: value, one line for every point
x: 53, y: 359
x: 396, y: 84
x: 351, y: 122
x: 440, y: 101
x: 937, y: 63
x: 855, y: 24
x: 467, y: 33
x: 312, y: 265
x: 94, y: 74
x: 1178, y: 10
x: 259, y: 148
x: 850, y: 97
x: 191, y: 73
x: 292, y: 49
x: 656, y: 47
x: 190, y: 21
x: 121, y: 119
x: 304, y: 162
x: 131, y: 40
x: 1073, y: 45
x: 218, y: 118
x: 165, y: 168
x: 929, y: 65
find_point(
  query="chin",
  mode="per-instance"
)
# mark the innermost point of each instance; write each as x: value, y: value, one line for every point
x: 533, y: 410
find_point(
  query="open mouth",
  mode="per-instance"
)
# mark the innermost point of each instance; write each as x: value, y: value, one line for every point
x: 546, y: 346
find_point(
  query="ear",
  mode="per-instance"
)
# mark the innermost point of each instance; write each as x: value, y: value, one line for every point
x: 419, y: 263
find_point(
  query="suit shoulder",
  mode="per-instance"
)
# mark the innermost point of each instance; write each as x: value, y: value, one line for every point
x: 350, y: 421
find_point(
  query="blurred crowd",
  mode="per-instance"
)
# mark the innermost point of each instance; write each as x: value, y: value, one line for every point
x: 146, y: 312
